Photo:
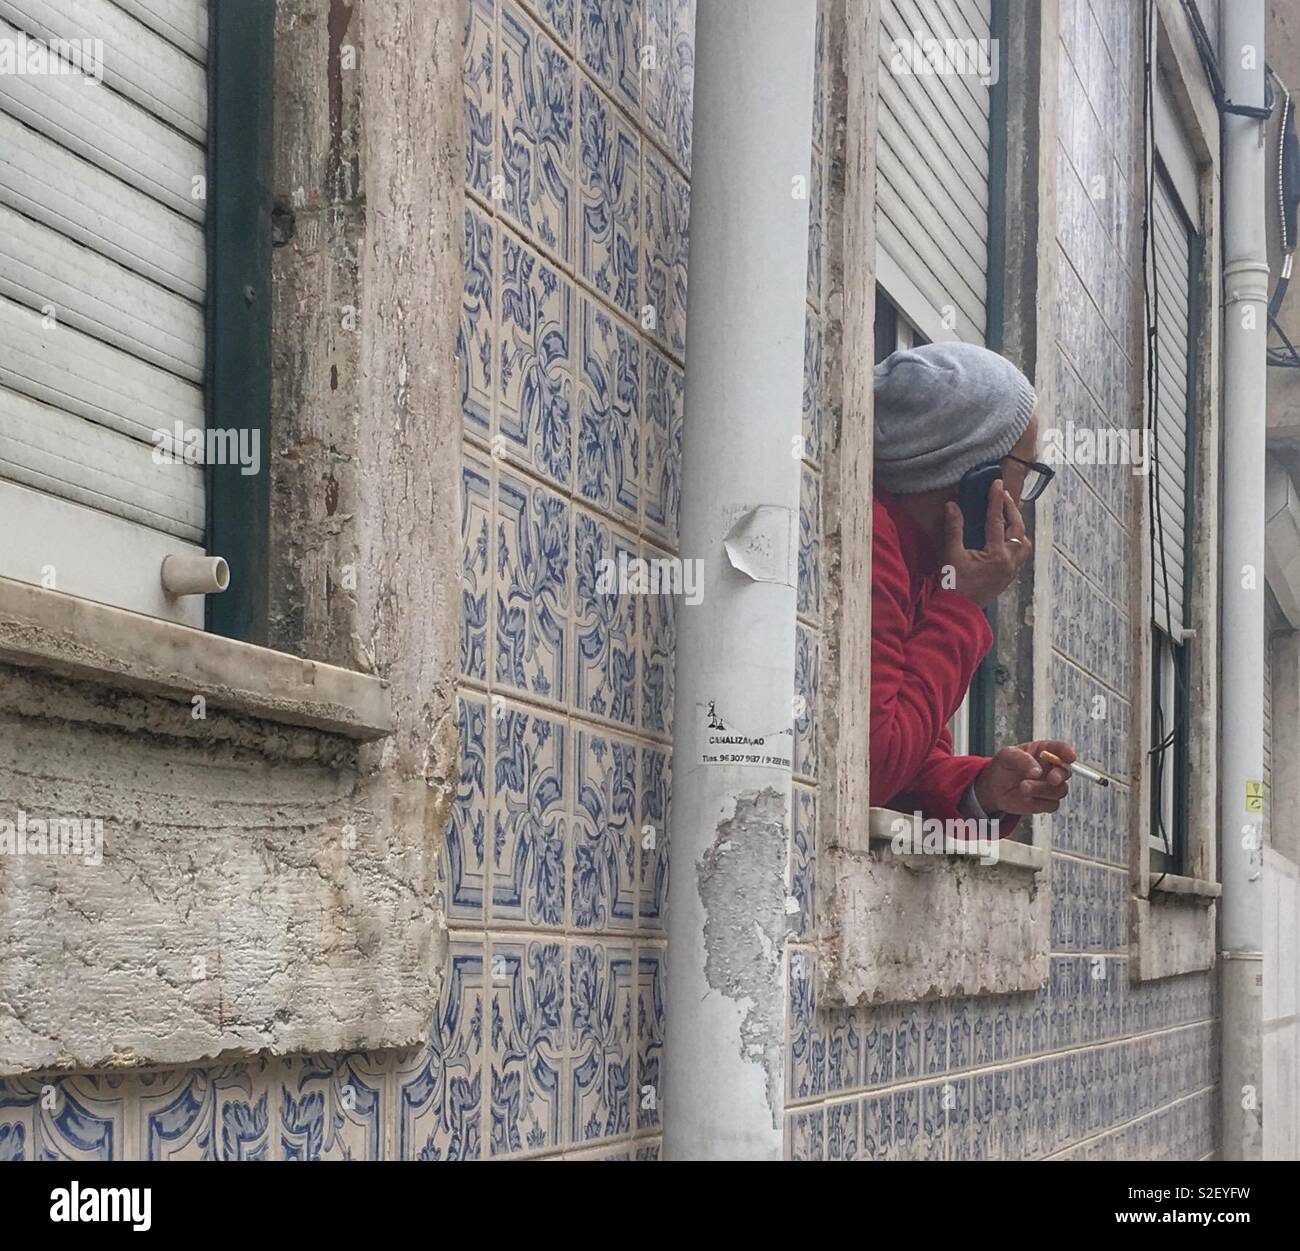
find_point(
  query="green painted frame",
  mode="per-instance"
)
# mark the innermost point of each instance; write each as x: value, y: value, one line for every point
x: 983, y: 737
x: 241, y: 48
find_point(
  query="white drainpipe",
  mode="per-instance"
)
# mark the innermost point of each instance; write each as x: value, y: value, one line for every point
x: 1245, y: 275
x: 723, y: 1083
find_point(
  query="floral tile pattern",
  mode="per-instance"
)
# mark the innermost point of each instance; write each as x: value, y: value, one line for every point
x: 877, y: 1116
x: 529, y: 832
x: 609, y: 236
x: 535, y: 104
x: 475, y: 345
x: 462, y: 868
x: 440, y: 1091
x: 842, y: 1134
x: 476, y: 564
x: 609, y: 414
x: 666, y: 223
x: 665, y: 408
x: 532, y: 588
x: 480, y: 94
x: 64, y: 1118
x: 605, y: 835
x: 815, y: 193
x: 602, y: 982
x: 527, y: 1045
x: 555, y: 867
x: 656, y: 787
x: 648, y: 1091
x: 668, y: 82
x: 806, y: 1135
x: 843, y: 1050
x: 536, y: 354
x: 605, y: 622
x: 331, y: 1107
x: 609, y: 41
x: 806, y: 1053
x: 806, y: 676
x: 812, y: 389
x: 558, y: 15
x: 803, y: 863
x: 220, y: 1114
x: 819, y: 82
x: 809, y: 596
x: 658, y: 645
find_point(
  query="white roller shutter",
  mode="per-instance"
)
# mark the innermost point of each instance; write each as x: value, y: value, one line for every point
x: 1172, y: 241
x: 932, y: 184
x: 103, y: 276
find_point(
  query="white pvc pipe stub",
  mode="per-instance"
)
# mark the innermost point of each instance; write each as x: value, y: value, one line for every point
x: 195, y: 575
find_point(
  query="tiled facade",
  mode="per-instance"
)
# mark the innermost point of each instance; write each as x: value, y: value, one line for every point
x: 1091, y: 1066
x: 572, y: 341
x: 549, y: 1036
x: 548, y: 1040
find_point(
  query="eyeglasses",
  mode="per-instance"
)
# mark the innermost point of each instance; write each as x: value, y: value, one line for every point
x: 1037, y: 478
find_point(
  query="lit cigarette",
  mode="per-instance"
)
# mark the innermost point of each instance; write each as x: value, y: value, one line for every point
x: 1081, y: 769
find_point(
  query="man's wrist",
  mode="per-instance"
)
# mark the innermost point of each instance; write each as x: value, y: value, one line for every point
x: 981, y: 807
x: 970, y: 806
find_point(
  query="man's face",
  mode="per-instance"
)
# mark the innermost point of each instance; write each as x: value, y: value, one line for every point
x: 1013, y: 473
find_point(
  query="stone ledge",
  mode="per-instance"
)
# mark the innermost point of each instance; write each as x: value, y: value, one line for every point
x: 1013, y: 854
x: 1185, y: 888
x: 1173, y: 931
x: 80, y: 639
x: 902, y: 928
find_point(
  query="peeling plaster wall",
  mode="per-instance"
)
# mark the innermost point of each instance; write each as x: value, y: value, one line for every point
x: 1090, y: 1065
x: 739, y: 882
x: 265, y: 890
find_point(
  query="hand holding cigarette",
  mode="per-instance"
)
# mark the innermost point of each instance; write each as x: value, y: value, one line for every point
x: 1021, y: 780
x: 1074, y: 767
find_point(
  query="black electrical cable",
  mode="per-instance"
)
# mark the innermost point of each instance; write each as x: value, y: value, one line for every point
x: 1288, y: 196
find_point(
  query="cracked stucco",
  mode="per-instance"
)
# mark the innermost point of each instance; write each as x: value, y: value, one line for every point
x: 266, y: 888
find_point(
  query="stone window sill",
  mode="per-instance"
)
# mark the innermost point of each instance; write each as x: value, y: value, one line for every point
x: 1190, y: 888
x: 1013, y: 854
x: 1173, y: 929
x: 902, y: 927
x: 80, y: 639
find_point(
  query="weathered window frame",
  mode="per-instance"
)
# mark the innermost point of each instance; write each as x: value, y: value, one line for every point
x: 1012, y: 900
x: 1172, y: 921
x: 239, y: 307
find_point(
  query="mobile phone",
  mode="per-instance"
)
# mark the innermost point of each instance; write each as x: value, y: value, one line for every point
x: 973, y: 499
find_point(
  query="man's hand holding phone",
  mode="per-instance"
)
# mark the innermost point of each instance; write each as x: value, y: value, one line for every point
x: 984, y: 574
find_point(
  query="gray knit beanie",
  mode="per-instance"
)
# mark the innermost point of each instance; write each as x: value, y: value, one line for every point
x: 943, y: 409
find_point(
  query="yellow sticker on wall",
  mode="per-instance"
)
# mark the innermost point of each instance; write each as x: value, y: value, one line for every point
x: 1254, y: 796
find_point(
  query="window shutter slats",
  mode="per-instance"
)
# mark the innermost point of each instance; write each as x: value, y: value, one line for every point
x: 932, y: 221
x: 50, y: 185
x: 109, y: 131
x: 137, y: 63
x: 103, y: 285
x: 1172, y: 253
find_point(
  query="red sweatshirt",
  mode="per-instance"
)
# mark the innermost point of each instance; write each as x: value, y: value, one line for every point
x: 926, y: 643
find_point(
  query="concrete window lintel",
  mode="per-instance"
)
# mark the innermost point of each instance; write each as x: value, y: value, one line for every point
x: 79, y: 639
